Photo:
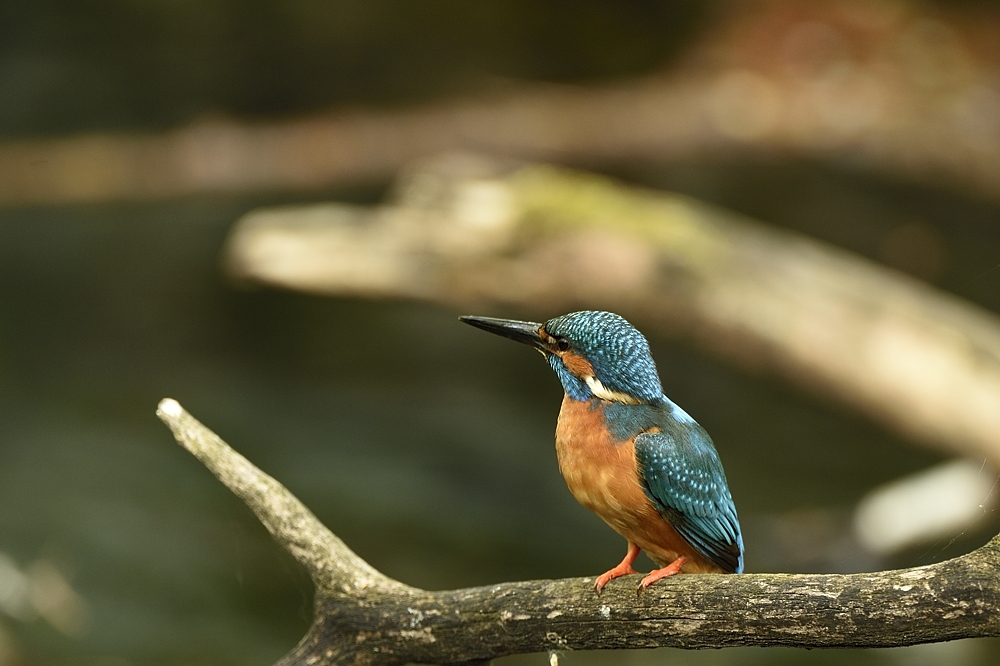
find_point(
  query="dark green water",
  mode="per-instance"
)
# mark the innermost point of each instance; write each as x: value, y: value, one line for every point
x: 426, y: 445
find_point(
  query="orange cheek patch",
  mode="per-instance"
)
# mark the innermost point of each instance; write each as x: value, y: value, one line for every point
x: 577, y: 364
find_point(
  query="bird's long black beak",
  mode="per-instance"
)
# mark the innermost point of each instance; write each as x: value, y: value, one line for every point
x: 522, y: 331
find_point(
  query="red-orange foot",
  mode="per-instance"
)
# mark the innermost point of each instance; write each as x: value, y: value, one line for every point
x: 623, y: 569
x: 671, y: 569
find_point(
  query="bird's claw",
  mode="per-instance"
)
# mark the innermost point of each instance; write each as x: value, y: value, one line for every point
x: 671, y: 569
x: 608, y: 576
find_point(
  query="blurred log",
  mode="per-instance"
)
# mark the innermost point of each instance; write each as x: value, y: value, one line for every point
x: 897, y: 87
x: 468, y: 233
x: 363, y: 617
x: 936, y: 503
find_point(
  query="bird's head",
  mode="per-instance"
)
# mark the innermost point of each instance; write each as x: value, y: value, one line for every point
x: 595, y: 354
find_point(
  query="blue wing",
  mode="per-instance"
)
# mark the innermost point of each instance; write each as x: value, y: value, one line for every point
x: 683, y: 476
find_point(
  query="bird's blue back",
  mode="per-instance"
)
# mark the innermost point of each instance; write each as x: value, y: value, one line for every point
x: 682, y: 475
x: 679, y: 468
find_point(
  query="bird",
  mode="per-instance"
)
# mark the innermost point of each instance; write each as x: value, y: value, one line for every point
x: 627, y: 452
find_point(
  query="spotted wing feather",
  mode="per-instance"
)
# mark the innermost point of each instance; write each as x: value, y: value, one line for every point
x: 682, y: 475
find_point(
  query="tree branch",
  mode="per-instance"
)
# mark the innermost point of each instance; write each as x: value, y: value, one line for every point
x: 464, y: 231
x: 364, y: 617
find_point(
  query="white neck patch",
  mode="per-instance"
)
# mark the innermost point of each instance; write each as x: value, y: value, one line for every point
x: 598, y: 389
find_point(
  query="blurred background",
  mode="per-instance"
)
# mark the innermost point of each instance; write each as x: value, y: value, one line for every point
x: 135, y: 134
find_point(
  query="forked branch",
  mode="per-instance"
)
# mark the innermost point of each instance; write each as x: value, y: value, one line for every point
x: 364, y: 617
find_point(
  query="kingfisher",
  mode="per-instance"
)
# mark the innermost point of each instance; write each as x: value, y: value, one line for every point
x: 627, y: 452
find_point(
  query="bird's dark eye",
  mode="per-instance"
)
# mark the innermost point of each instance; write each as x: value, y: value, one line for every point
x: 562, y: 344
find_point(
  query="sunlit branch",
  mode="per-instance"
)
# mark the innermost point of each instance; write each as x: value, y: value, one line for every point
x: 363, y: 617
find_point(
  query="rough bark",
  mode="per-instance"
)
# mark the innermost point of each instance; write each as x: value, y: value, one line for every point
x: 364, y: 617
x: 481, y: 235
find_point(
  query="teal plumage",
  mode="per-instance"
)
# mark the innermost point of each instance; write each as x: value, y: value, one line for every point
x: 685, y: 481
x: 629, y: 453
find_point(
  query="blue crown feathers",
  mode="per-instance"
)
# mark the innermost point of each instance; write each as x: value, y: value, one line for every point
x: 617, y: 351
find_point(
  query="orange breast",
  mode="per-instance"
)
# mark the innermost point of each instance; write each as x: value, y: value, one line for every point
x: 603, y: 476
